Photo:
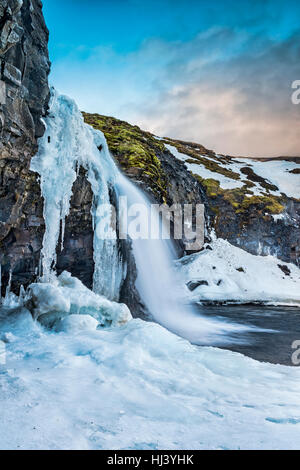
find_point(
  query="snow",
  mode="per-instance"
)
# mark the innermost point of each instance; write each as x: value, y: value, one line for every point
x: 276, y: 172
x: 88, y: 376
x: 139, y: 387
x: 260, y: 281
x: 76, y: 324
x: 201, y: 170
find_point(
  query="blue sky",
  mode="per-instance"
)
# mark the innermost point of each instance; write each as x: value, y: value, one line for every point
x: 218, y: 73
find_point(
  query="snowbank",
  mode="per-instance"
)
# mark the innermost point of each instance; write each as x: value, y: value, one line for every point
x: 67, y: 295
x: 226, y: 273
x: 139, y: 387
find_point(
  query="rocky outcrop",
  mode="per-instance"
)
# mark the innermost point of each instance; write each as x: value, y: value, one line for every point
x: 76, y: 253
x: 258, y: 231
x: 24, y: 97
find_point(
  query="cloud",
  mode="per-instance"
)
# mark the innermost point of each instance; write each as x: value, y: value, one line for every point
x: 239, y: 104
x: 225, y: 88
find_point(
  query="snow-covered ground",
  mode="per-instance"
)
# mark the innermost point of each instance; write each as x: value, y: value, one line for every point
x: 100, y: 380
x: 233, y: 274
x: 275, y: 172
x: 278, y: 172
x: 138, y: 387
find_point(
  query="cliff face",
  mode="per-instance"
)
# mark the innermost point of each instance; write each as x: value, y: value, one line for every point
x: 24, y: 96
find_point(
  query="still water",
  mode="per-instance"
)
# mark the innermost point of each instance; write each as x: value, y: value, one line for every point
x: 274, y: 330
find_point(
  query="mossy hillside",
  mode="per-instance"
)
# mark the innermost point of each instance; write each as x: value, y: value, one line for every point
x: 136, y: 149
x: 133, y: 149
x: 242, y: 199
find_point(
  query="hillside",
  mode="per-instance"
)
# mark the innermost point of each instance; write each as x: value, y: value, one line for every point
x: 254, y: 204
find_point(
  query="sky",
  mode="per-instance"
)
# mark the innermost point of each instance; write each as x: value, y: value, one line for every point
x: 214, y: 72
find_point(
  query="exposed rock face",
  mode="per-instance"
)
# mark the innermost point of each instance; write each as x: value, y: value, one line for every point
x: 254, y: 214
x: 24, y: 96
x: 259, y: 232
x: 147, y: 162
x: 77, y: 253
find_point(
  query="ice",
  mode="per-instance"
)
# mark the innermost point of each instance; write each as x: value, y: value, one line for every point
x: 139, y: 387
x: 76, y: 324
x: 88, y: 376
x: 47, y: 298
x: 67, y: 144
x: 67, y: 295
x: 233, y: 275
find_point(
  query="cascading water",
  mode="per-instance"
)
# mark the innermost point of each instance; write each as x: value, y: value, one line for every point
x: 159, y: 285
x: 69, y: 143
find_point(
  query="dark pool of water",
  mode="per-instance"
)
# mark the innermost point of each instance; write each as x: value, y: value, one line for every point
x: 262, y: 345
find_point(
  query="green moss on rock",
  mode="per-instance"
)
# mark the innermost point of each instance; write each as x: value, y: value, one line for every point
x: 240, y: 199
x: 138, y: 154
x: 134, y: 149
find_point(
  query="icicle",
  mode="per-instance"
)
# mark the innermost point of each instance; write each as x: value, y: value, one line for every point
x: 22, y: 295
x: 63, y: 226
x: 8, y: 287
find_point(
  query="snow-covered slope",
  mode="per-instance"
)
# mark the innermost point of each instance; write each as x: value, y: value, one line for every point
x: 226, y: 273
x: 138, y: 387
x: 282, y: 174
x: 200, y: 169
x: 66, y: 295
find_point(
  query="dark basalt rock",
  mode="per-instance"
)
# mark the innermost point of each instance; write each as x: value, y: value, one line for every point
x: 192, y: 285
x: 257, y: 232
x: 285, y: 269
x: 24, y: 97
x: 76, y: 253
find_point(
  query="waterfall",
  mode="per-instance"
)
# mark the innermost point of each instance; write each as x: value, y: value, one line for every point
x: 67, y: 144
x: 161, y: 287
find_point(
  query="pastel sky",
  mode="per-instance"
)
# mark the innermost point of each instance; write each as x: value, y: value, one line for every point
x: 214, y: 72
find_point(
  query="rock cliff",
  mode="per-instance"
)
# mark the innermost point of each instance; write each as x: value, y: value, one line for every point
x: 24, y: 96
